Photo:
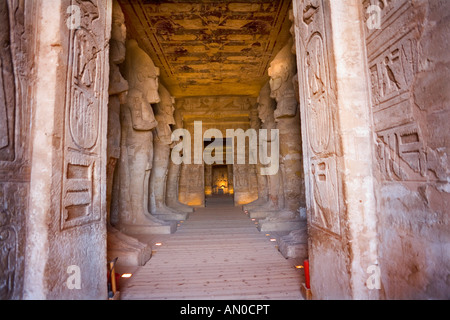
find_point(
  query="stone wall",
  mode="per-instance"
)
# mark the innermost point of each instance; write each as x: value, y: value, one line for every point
x: 408, y: 64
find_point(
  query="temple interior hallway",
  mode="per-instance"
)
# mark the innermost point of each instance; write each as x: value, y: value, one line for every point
x: 218, y: 253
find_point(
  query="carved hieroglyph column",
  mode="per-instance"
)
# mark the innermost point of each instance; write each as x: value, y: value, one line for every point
x: 66, y: 223
x: 161, y: 157
x: 17, y: 78
x: 173, y: 176
x: 337, y: 147
x: 129, y: 250
x: 137, y: 145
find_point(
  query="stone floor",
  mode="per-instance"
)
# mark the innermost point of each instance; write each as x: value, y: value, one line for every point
x: 218, y: 253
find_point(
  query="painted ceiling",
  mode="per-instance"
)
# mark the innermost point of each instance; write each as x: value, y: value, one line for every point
x: 210, y: 47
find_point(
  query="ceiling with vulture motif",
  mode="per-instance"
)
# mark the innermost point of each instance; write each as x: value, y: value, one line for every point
x: 210, y: 47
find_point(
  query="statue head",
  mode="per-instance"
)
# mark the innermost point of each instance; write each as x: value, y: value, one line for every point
x: 141, y: 72
x: 164, y: 114
x: 281, y: 72
x: 118, y: 35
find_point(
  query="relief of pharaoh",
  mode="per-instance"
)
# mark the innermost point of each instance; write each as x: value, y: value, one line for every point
x: 138, y: 121
x: 164, y: 112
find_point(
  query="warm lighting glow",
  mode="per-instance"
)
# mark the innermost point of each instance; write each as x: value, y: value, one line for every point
x: 158, y: 244
x: 253, y: 219
x: 273, y: 240
x: 127, y: 275
x: 267, y: 234
x: 299, y: 267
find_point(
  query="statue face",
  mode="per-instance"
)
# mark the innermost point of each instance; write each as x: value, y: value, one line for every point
x: 262, y: 109
x: 278, y: 76
x: 149, y: 81
x: 119, y: 31
x: 118, y: 28
x: 169, y: 109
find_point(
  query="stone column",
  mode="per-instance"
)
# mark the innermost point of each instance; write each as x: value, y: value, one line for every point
x: 337, y: 148
x: 137, y: 145
x: 66, y: 222
x: 17, y: 93
x: 129, y: 250
x: 161, y: 143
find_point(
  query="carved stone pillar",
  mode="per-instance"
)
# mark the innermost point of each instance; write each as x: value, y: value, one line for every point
x: 337, y: 147
x: 17, y: 79
x: 66, y: 224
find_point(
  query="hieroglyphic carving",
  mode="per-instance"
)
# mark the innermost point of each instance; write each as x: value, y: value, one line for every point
x: 16, y: 88
x: 318, y: 110
x: 7, y: 87
x: 84, y: 95
x: 318, y: 104
x: 393, y: 63
x: 326, y: 203
x: 8, y: 256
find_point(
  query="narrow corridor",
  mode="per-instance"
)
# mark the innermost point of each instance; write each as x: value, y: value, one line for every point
x: 218, y: 253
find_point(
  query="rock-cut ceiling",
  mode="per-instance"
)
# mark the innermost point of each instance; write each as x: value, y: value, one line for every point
x: 210, y: 47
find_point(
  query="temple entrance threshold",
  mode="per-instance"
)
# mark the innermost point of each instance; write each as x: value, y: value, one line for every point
x: 217, y: 254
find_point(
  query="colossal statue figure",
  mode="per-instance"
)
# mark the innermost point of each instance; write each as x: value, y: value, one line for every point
x: 164, y: 112
x: 173, y: 176
x: 260, y: 209
x: 138, y: 121
x: 129, y: 250
x: 291, y: 193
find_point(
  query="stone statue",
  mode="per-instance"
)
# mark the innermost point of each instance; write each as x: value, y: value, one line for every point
x: 255, y: 123
x: 266, y: 108
x: 129, y: 250
x: 138, y: 120
x: 164, y: 112
x: 173, y: 176
x: 291, y: 194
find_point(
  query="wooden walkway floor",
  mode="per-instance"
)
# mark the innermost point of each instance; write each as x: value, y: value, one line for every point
x: 218, y: 253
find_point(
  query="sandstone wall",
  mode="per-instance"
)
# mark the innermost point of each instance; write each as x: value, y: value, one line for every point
x: 408, y: 65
